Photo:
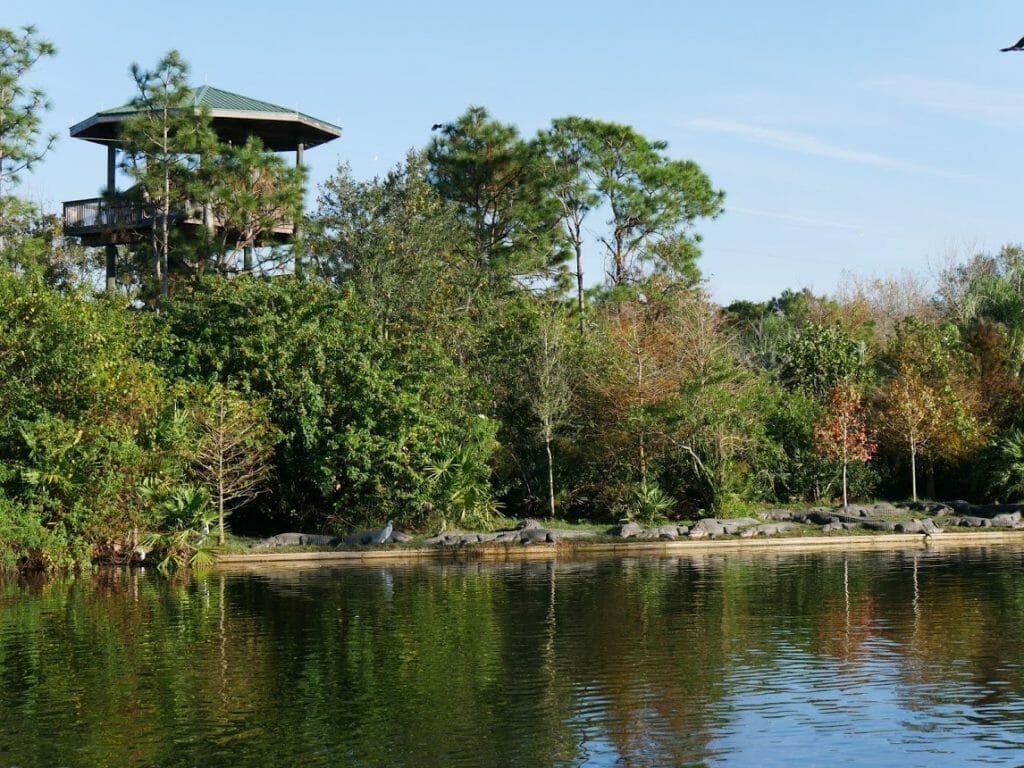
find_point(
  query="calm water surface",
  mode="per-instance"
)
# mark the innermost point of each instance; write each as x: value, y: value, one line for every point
x: 881, y: 659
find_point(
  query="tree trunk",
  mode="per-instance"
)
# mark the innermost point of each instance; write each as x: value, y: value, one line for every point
x: 913, y: 469
x: 220, y: 499
x: 846, y: 443
x: 929, y: 483
x: 154, y: 239
x: 579, y: 284
x: 551, y: 473
x: 643, y: 460
x: 844, y: 484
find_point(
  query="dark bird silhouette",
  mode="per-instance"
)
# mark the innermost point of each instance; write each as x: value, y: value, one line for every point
x: 1018, y: 46
x: 439, y: 126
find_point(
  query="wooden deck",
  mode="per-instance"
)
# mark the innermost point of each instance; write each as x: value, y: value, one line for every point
x: 98, y: 221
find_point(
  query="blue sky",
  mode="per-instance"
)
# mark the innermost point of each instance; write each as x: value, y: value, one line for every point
x: 872, y: 138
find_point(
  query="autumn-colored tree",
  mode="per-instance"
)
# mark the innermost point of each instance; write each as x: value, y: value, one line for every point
x: 672, y: 393
x: 995, y: 370
x: 929, y: 404
x: 911, y: 416
x: 640, y: 368
x: 841, y: 434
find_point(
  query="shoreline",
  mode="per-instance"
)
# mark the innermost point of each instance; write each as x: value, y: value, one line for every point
x: 569, y: 549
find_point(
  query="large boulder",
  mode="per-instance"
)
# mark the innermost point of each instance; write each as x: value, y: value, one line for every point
x: 1006, y: 520
x: 627, y: 530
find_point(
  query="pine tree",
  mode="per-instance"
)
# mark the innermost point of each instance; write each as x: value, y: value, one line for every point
x: 164, y: 143
x: 21, y: 140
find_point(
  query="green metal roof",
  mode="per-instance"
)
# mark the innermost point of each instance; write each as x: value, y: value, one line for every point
x: 235, y: 117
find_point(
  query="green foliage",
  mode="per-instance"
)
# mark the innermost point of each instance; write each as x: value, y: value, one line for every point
x: 720, y: 450
x: 460, y: 478
x: 82, y: 422
x: 929, y: 405
x: 799, y: 472
x: 654, y: 200
x: 1007, y: 469
x: 501, y: 190
x: 33, y: 243
x: 994, y: 290
x: 649, y: 504
x: 549, y: 388
x: 434, y: 369
x: 359, y: 421
x: 566, y: 149
x: 24, y: 540
x: 164, y: 143
x: 399, y: 247
x: 251, y: 191
x: 233, y: 448
x: 819, y: 358
x: 183, y: 540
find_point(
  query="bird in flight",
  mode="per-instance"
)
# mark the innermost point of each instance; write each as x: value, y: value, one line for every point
x: 1018, y: 46
x: 439, y: 126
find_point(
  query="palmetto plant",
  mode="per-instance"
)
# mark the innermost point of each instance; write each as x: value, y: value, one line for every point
x: 650, y: 503
x: 461, y: 477
x: 1008, y: 473
x: 185, y: 541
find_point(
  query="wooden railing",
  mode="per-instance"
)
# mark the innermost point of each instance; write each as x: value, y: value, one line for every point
x: 97, y: 213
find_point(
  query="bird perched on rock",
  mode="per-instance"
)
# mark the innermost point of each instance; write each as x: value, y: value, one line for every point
x: 1018, y: 46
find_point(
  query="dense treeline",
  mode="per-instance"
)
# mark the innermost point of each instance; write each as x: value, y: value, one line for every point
x: 435, y: 354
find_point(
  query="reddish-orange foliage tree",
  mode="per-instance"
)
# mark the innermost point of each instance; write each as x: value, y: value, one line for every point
x: 640, y: 368
x: 841, y: 434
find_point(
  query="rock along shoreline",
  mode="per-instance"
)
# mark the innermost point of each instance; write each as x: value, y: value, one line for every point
x: 916, y: 525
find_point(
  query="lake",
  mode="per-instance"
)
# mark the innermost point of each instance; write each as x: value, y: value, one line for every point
x: 907, y: 658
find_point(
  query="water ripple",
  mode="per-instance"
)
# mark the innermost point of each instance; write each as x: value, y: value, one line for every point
x: 876, y: 659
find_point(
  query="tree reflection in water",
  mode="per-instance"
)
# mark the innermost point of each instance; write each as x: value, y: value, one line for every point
x: 641, y: 661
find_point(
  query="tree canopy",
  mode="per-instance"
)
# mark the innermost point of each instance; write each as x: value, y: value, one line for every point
x: 436, y: 363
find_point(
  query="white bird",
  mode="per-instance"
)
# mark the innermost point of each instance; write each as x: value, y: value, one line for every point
x: 383, y: 534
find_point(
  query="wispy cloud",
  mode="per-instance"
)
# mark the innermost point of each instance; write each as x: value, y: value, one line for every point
x: 805, y: 221
x: 994, y: 105
x: 806, y: 144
